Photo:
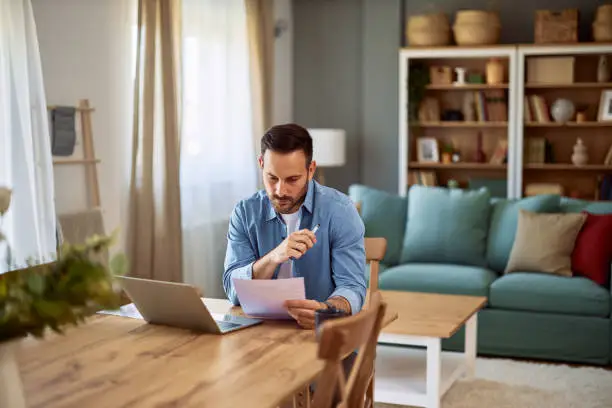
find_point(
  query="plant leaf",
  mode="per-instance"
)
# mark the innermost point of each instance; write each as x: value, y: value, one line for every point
x: 36, y: 283
x: 119, y: 264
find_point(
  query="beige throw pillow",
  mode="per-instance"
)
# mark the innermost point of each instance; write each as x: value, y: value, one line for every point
x: 544, y: 242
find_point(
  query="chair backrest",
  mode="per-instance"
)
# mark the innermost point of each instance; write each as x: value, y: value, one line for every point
x: 375, y: 249
x: 76, y: 227
x: 339, y: 338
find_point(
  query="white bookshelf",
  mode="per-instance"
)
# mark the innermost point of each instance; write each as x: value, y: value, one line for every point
x: 516, y: 170
x: 562, y: 135
x: 408, y: 55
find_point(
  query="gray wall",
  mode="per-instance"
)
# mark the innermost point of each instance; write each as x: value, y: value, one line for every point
x: 327, y: 75
x: 346, y: 71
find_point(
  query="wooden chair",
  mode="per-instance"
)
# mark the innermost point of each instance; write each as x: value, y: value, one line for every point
x: 339, y: 338
x: 375, y: 249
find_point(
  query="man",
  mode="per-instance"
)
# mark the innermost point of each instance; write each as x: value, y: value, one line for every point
x: 270, y: 234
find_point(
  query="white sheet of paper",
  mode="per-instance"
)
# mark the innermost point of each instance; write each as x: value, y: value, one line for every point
x: 128, y: 310
x: 264, y: 298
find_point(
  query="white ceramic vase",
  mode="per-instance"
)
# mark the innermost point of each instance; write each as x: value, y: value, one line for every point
x: 562, y: 110
x: 11, y: 387
x: 580, y: 156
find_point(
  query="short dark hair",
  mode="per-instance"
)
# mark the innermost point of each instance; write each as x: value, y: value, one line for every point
x: 286, y: 139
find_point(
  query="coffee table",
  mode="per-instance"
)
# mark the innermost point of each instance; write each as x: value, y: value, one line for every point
x: 420, y: 377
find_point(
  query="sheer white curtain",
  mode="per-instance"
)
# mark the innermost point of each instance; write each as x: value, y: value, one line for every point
x: 218, y: 152
x: 25, y: 153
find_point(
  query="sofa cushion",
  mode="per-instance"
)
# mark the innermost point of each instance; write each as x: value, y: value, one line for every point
x: 504, y: 220
x: 438, y: 278
x: 545, y: 242
x: 446, y: 226
x: 542, y: 292
x: 568, y: 204
x: 384, y: 215
x: 593, y: 249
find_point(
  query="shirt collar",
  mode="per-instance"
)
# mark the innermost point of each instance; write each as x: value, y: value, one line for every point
x: 307, y: 204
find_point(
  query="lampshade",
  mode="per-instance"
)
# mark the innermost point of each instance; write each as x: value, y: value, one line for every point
x: 328, y: 146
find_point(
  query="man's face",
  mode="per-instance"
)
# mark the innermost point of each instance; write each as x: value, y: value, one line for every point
x: 286, y: 178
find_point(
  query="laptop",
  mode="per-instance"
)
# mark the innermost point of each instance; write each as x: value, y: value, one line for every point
x: 178, y: 305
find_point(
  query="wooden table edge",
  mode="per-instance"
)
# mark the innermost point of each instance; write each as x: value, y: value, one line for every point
x: 482, y: 301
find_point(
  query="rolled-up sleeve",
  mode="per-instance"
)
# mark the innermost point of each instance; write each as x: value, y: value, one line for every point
x: 240, y: 255
x: 348, y: 259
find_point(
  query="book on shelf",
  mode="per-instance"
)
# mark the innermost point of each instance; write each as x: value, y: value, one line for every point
x: 491, y: 106
x: 608, y: 159
x: 536, y: 109
x: 534, y: 189
x: 423, y: 178
x: 537, y: 151
x: 604, y: 190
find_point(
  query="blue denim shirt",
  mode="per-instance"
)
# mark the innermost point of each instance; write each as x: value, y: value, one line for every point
x: 334, y: 266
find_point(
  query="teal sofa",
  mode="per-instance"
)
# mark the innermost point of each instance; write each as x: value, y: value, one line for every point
x: 528, y: 315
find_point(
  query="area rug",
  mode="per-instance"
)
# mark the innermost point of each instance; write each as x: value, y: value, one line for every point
x: 501, y: 383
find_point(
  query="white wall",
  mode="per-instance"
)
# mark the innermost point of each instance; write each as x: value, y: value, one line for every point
x: 85, y: 48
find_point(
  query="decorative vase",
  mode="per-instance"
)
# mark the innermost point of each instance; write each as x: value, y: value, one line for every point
x: 603, y: 70
x: 580, y: 156
x: 562, y: 110
x: 460, y: 76
x: 495, y: 71
x: 11, y: 388
x: 447, y: 157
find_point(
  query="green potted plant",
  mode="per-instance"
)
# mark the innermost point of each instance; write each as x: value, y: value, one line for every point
x: 49, y: 297
x: 447, y: 153
x: 418, y: 81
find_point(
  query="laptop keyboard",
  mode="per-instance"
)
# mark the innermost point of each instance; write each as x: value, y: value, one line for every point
x: 223, y: 325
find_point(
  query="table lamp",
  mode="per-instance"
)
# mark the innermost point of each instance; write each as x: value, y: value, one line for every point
x: 328, y: 149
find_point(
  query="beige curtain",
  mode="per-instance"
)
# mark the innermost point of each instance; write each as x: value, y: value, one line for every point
x: 260, y: 25
x: 154, y: 234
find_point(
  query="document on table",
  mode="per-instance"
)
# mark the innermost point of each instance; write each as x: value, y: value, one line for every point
x: 265, y: 298
x: 128, y: 310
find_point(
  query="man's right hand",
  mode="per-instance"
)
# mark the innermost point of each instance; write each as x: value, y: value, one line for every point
x: 294, y: 246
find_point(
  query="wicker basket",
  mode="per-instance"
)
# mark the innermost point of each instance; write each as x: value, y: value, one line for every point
x: 477, y: 17
x: 428, y: 30
x: 604, y: 14
x: 602, y: 26
x: 477, y: 27
x: 556, y: 26
x: 602, y: 32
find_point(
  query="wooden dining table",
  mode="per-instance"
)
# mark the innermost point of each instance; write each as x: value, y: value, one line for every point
x: 120, y: 362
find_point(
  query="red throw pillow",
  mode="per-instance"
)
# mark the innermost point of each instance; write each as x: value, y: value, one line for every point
x: 593, y: 249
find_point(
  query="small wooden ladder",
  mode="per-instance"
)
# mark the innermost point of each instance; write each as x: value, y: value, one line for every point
x: 89, y: 157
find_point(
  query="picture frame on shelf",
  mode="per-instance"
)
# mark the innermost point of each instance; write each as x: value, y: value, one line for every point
x: 428, y: 150
x: 605, y: 106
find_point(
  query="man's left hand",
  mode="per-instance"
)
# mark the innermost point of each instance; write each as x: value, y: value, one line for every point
x: 303, y: 311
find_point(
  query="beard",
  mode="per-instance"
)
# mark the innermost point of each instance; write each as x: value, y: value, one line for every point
x: 288, y: 204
